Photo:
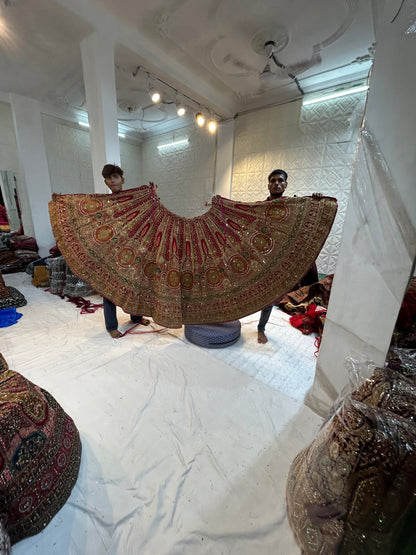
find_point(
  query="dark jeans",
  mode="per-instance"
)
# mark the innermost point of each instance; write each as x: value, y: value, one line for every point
x: 264, y: 318
x: 110, y: 316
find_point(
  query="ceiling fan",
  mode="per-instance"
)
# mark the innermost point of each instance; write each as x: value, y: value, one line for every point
x: 279, y: 70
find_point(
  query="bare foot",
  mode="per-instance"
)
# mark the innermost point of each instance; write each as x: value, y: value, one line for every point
x: 115, y: 334
x: 261, y: 337
x: 140, y: 320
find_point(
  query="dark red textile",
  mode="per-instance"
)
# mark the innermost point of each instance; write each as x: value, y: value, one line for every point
x: 311, y: 321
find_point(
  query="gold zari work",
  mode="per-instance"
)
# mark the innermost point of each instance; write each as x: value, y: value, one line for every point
x: 352, y: 491
x: 232, y: 261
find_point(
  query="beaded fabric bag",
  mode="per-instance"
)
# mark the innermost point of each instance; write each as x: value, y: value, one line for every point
x: 5, y: 546
x: 40, y: 453
x: 233, y: 260
x: 10, y: 297
x: 353, y: 489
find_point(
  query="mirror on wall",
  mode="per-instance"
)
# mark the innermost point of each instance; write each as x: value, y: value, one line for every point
x: 10, y: 216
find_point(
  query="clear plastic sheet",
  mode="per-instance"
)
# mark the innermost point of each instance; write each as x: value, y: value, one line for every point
x: 378, y: 249
x: 353, y: 490
x: 391, y: 231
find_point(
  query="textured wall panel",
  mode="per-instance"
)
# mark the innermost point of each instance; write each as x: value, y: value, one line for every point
x: 184, y: 174
x: 315, y: 144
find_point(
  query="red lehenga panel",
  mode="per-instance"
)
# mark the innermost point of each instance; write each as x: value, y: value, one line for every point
x: 232, y: 261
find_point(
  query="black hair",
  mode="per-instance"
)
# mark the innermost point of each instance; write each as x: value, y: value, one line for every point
x: 275, y: 172
x: 109, y: 169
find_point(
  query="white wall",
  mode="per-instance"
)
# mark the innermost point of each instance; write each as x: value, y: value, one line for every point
x: 184, y: 175
x: 9, y: 158
x: 69, y: 158
x: 314, y: 144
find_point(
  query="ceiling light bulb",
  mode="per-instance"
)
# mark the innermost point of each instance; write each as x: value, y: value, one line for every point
x: 154, y: 95
x: 180, y: 110
x: 200, y: 120
x: 212, y: 126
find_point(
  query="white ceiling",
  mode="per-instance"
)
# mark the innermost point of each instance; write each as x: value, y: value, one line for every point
x: 206, y: 53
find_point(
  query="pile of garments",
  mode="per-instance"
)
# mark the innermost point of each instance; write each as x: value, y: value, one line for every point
x: 16, y: 252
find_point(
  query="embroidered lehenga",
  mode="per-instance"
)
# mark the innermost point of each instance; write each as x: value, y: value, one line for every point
x: 230, y: 262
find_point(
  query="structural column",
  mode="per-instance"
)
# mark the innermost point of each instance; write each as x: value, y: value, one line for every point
x: 97, y: 52
x: 34, y: 167
x: 378, y: 250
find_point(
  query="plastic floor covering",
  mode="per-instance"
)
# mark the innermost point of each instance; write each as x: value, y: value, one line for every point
x: 186, y: 450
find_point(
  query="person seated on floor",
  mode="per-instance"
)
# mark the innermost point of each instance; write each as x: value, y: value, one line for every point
x: 113, y: 178
x: 277, y: 186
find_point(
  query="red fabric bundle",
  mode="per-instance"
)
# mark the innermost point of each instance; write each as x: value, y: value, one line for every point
x: 311, y: 321
x: 23, y: 242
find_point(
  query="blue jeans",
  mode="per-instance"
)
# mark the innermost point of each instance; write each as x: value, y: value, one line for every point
x: 110, y: 316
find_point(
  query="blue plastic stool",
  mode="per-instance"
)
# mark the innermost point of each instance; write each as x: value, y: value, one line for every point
x: 214, y: 336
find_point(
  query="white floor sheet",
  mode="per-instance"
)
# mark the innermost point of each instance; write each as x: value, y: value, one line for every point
x: 186, y: 450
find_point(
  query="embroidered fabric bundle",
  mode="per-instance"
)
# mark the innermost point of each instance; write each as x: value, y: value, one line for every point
x: 10, y: 296
x: 353, y: 489
x: 230, y: 262
x: 40, y: 453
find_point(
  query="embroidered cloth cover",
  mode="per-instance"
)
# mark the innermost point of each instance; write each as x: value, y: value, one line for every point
x: 40, y: 453
x: 230, y: 262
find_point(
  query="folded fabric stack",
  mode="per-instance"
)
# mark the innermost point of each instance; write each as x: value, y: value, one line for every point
x: 21, y: 250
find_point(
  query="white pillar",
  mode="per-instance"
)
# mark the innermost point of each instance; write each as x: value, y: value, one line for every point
x: 97, y: 52
x: 378, y: 248
x: 34, y: 167
x: 225, y: 152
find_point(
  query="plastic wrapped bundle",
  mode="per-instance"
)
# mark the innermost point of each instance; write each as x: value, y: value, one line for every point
x: 57, y: 273
x: 74, y: 286
x: 64, y: 282
x: 353, y: 489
